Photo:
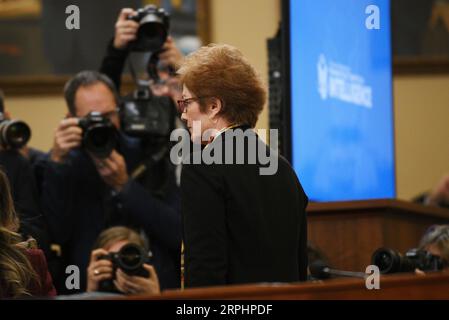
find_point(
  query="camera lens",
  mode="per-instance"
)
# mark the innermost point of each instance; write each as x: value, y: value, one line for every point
x: 100, y: 140
x: 99, y: 137
x: 131, y: 257
x: 388, y: 261
x: 153, y: 29
x: 14, y: 134
x: 152, y: 35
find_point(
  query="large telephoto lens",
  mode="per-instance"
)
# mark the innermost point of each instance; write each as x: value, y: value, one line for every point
x: 388, y: 261
x: 14, y: 134
x: 151, y: 34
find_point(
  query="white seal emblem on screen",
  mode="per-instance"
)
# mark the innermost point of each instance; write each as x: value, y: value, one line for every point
x: 337, y: 81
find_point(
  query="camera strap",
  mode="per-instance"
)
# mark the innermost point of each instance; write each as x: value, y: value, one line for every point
x: 149, y: 162
x: 139, y: 82
x: 154, y: 173
x: 151, y: 69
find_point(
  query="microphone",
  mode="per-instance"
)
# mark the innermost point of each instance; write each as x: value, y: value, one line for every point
x: 320, y: 270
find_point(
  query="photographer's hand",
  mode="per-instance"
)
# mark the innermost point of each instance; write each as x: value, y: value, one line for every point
x: 113, y: 170
x: 68, y: 135
x: 125, y: 30
x: 98, y: 270
x: 171, y: 55
x: 138, y: 285
x: 419, y: 272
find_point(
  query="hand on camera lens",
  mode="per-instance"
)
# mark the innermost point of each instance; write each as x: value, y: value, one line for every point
x: 113, y: 170
x: 125, y: 30
x: 98, y: 270
x: 68, y: 135
x: 138, y: 285
x: 171, y: 55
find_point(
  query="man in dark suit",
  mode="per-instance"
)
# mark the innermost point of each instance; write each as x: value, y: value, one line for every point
x: 83, y: 194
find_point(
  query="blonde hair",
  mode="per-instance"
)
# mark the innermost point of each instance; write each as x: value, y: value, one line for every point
x: 116, y: 234
x: 16, y: 272
x: 221, y: 71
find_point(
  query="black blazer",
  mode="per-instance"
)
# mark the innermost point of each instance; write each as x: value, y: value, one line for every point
x: 240, y: 226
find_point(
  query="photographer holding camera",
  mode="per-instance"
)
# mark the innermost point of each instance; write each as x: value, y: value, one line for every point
x: 118, y: 264
x: 90, y: 181
x: 431, y: 255
x: 126, y: 35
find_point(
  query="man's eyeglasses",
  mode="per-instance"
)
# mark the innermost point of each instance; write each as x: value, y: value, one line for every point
x: 111, y: 114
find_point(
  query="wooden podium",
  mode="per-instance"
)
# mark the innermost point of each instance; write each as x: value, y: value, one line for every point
x: 349, y: 232
x: 392, y: 287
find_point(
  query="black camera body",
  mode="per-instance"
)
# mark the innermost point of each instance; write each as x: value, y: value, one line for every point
x: 99, y: 134
x: 391, y: 261
x: 130, y: 259
x: 153, y: 30
x: 14, y: 134
x: 146, y: 115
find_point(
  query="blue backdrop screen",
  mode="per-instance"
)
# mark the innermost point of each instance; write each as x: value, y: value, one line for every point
x: 341, y: 95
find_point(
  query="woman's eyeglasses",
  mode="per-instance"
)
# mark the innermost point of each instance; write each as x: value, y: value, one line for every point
x: 182, y: 104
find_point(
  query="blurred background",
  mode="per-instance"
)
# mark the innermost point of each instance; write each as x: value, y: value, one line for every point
x: 35, y: 59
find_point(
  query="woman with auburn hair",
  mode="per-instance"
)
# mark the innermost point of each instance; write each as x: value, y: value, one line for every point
x: 241, y: 224
x: 23, y: 267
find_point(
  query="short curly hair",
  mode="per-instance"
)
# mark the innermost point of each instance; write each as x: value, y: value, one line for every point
x: 221, y: 71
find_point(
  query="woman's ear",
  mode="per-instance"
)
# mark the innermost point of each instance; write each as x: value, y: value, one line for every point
x: 215, y: 107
